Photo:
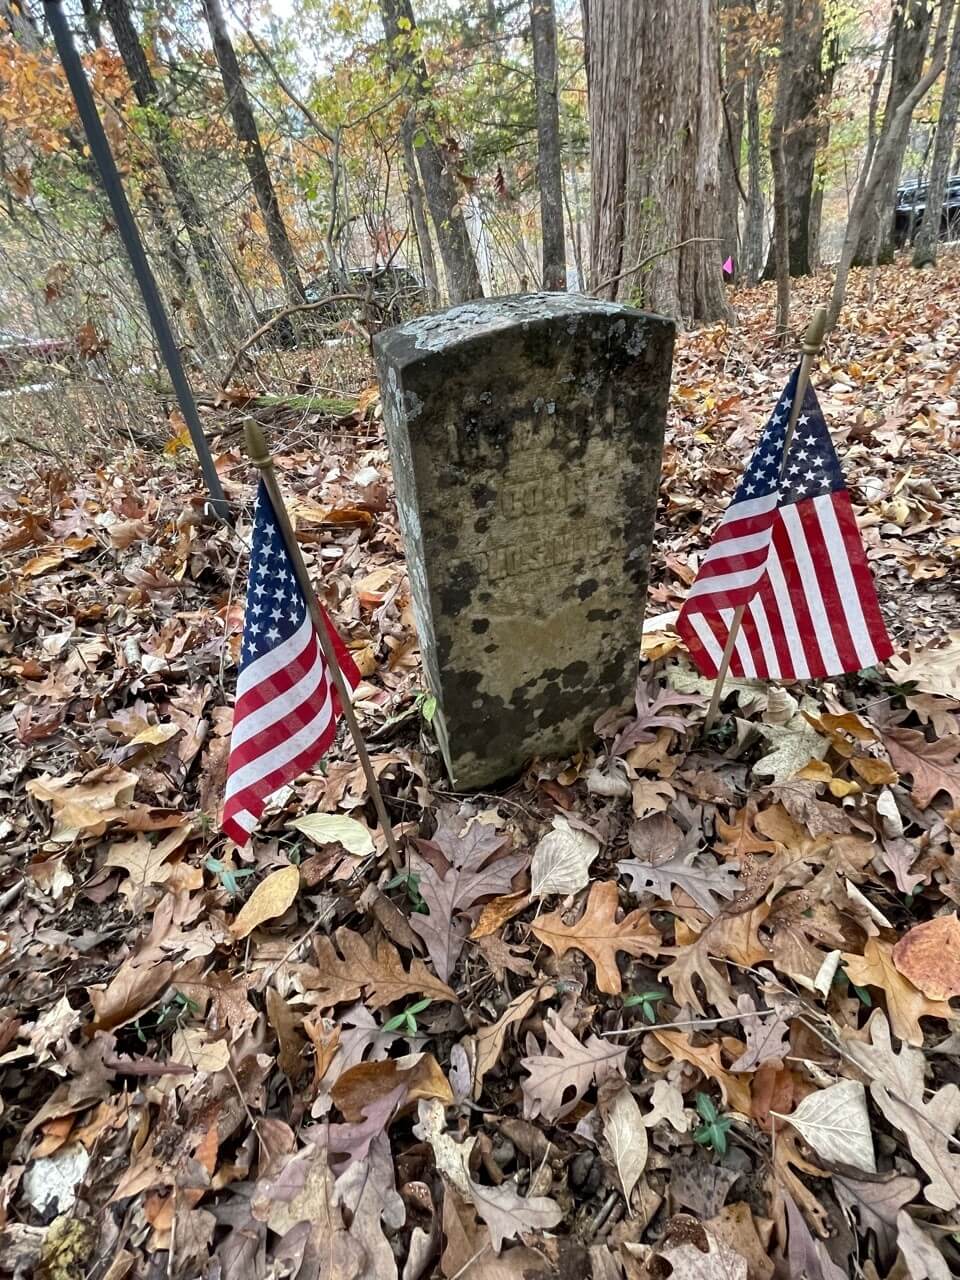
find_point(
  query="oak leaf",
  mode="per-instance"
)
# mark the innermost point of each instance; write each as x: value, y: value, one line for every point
x: 707, y: 1059
x: 488, y: 1040
x: 929, y: 956
x: 924, y: 1259
x: 472, y: 870
x: 502, y: 1208
x: 693, y: 961
x: 934, y: 765
x: 905, y: 1004
x: 704, y: 883
x: 376, y: 973
x: 559, y: 1080
x: 767, y: 1037
x: 467, y: 1253
x: 367, y: 1082
x: 878, y: 1204
x: 599, y: 936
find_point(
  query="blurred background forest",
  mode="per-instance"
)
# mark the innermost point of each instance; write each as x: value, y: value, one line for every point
x: 394, y: 157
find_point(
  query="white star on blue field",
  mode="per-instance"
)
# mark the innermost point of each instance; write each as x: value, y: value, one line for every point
x: 812, y: 467
x: 275, y: 605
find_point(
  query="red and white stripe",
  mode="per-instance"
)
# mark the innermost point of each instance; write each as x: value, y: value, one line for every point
x: 285, y: 718
x: 810, y: 608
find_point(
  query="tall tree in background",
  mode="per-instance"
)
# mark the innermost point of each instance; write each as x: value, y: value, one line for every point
x: 655, y: 118
x: 439, y: 183
x: 881, y: 150
x: 925, y: 242
x: 830, y: 56
x: 783, y: 215
x: 248, y: 136
x: 910, y: 24
x: 753, y: 223
x: 543, y: 34
x: 208, y: 257
x: 736, y: 31
x: 799, y: 87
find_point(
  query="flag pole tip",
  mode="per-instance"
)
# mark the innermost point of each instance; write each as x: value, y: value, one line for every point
x: 816, y: 331
x: 255, y: 443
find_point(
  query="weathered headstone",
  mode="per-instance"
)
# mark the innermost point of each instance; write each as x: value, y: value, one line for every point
x: 526, y: 435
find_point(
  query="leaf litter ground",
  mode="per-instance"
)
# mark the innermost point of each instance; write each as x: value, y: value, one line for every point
x: 673, y: 1006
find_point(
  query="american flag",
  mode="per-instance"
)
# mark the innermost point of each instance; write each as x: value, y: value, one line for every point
x: 286, y: 709
x: 788, y: 550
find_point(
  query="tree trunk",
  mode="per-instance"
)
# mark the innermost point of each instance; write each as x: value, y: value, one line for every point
x: 211, y: 270
x: 421, y: 227
x: 753, y: 223
x: 879, y: 155
x: 830, y: 60
x: 543, y: 34
x: 248, y: 135
x: 654, y: 144
x: 800, y: 56
x: 439, y: 182
x: 925, y: 244
x: 731, y: 131
x: 91, y: 20
x: 783, y: 216
x: 910, y: 26
x: 18, y: 21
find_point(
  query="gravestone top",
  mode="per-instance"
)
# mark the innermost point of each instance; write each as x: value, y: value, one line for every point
x: 525, y: 435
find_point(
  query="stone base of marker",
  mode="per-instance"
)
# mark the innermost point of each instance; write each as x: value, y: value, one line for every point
x: 526, y: 436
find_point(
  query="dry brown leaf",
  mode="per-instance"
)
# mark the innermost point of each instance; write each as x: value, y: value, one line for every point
x: 707, y: 1058
x: 559, y: 1080
x: 358, y: 970
x: 928, y: 955
x: 905, y: 1004
x: 625, y: 1135
x: 134, y: 987
x: 360, y: 1086
x: 495, y: 914
x: 271, y: 898
x: 488, y: 1040
x: 599, y: 936
x: 934, y: 766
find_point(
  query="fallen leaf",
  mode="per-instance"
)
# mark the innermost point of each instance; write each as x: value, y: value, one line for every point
x: 924, y: 1260
x: 561, y: 860
x: 834, y: 1122
x: 767, y: 1037
x: 418, y: 1073
x: 928, y: 955
x: 707, y: 1059
x: 271, y: 898
x: 505, y: 1212
x: 878, y: 1204
x: 598, y: 935
x: 905, y: 1004
x: 626, y: 1136
x: 703, y: 883
x: 376, y: 973
x: 334, y: 828
x: 666, y: 1103
x: 488, y: 1040
x: 559, y: 1080
x: 933, y: 765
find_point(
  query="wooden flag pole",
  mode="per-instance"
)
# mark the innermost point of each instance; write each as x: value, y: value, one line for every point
x: 812, y: 342
x: 256, y: 447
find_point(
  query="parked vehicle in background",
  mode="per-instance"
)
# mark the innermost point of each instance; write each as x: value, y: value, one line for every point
x: 911, y: 202
x: 20, y: 354
x: 398, y: 290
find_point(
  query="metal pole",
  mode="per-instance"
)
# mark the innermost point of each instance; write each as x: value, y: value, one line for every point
x: 812, y: 342
x: 109, y: 176
x: 256, y: 446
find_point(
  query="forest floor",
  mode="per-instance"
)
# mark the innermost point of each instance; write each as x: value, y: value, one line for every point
x: 695, y: 1013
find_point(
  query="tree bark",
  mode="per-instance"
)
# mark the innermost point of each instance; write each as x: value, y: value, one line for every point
x: 753, y: 223
x: 418, y: 212
x: 543, y: 34
x: 801, y: 51
x: 91, y: 20
x: 731, y: 132
x: 248, y: 135
x: 655, y: 121
x: 830, y: 60
x: 783, y: 216
x: 117, y: 13
x: 19, y: 23
x: 925, y: 243
x: 910, y: 25
x: 879, y: 155
x: 439, y: 182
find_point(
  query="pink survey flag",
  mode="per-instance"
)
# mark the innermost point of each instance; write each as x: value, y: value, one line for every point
x: 728, y: 266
